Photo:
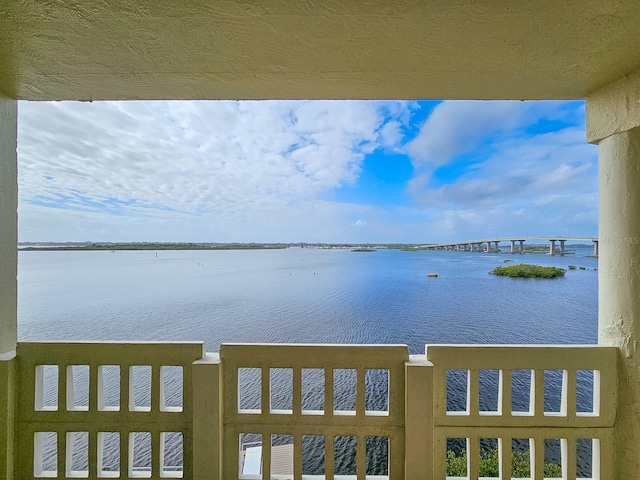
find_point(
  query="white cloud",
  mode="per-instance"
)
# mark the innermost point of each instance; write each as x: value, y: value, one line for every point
x: 230, y: 162
x: 516, y: 180
x: 456, y: 127
x: 519, y: 170
x: 264, y: 171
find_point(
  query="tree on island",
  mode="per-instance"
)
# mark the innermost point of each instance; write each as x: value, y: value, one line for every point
x: 525, y: 270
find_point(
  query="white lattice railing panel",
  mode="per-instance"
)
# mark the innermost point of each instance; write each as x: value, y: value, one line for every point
x: 101, y: 410
x: 119, y: 410
x: 566, y: 418
x: 549, y: 372
x: 571, y: 450
x: 344, y: 410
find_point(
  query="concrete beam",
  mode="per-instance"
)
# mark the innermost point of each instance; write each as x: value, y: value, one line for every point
x: 8, y: 224
x: 614, y: 108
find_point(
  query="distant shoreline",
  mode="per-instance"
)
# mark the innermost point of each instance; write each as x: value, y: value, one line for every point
x: 136, y: 246
x: 151, y: 246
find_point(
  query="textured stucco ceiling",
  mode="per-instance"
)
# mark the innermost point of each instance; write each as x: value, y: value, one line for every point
x: 163, y: 49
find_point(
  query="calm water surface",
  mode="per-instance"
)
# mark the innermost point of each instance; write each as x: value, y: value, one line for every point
x: 302, y: 295
x: 311, y: 296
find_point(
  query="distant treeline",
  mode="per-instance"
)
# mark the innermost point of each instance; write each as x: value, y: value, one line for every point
x: 52, y: 246
x: 158, y: 246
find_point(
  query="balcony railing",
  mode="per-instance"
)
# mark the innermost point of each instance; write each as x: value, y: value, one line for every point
x: 158, y: 410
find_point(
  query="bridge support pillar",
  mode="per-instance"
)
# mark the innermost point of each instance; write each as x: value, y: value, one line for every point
x: 595, y: 248
x: 613, y: 123
x: 552, y: 248
x: 513, y: 247
x: 521, y: 246
x: 562, y: 246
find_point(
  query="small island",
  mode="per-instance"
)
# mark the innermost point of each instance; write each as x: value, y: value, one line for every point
x: 525, y: 270
x: 363, y: 249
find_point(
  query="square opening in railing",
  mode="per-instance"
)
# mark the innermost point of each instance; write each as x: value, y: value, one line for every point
x: 344, y: 455
x: 489, y: 392
x: 376, y: 391
x: 489, y: 458
x: 344, y: 391
x: 313, y: 455
x: 109, y: 388
x: 281, y: 391
x: 457, y: 462
x: 313, y: 391
x: 588, y: 458
x: 45, y: 454
x: 588, y: 392
x: 171, y: 388
x: 46, y: 388
x: 377, y: 455
x: 171, y: 454
x: 109, y: 454
x: 140, y: 454
x: 457, y: 392
x: 521, y: 398
x: 555, y: 400
x: 521, y: 458
x: 282, y: 456
x: 78, y: 388
x: 77, y: 461
x: 140, y: 388
x: 249, y: 390
x: 250, y: 455
x: 553, y: 448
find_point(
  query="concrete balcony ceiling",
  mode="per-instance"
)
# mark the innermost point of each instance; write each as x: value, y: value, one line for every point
x: 187, y: 49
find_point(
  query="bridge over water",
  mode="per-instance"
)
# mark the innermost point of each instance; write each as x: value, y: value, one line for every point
x: 556, y: 244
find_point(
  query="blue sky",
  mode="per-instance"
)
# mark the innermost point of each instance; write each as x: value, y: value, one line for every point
x: 312, y: 171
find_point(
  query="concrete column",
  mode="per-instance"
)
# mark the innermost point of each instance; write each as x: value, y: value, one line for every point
x: 562, y: 246
x: 8, y: 224
x: 513, y: 247
x: 619, y: 283
x: 613, y: 123
x: 7, y: 415
x: 521, y: 246
x: 8, y: 282
x: 552, y: 248
x: 488, y: 247
x: 497, y: 246
x: 595, y: 248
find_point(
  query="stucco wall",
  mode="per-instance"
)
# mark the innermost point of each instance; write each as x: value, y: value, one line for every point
x: 8, y: 224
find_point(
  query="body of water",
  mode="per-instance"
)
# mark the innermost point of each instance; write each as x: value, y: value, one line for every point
x: 303, y: 295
